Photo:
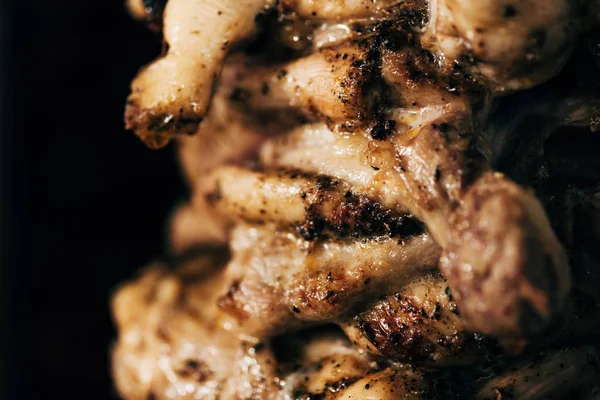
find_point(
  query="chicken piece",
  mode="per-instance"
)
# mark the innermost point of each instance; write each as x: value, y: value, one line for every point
x: 564, y: 374
x: 172, y: 94
x: 169, y: 347
x: 276, y: 282
x: 314, y: 205
x: 420, y: 323
x: 278, y: 279
x: 325, y: 84
x: 517, y: 266
x: 343, y: 86
x: 515, y: 45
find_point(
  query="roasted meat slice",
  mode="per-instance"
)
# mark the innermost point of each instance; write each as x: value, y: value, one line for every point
x: 326, y: 84
x: 480, y: 218
x: 277, y: 279
x: 169, y: 346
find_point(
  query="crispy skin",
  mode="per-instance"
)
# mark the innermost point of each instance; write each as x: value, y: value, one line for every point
x: 314, y: 205
x: 420, y: 323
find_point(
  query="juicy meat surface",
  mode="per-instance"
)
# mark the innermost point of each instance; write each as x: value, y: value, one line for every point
x: 435, y: 177
x: 387, y: 199
x: 515, y: 45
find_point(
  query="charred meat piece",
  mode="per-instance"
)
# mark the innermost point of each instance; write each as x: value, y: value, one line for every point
x: 326, y: 84
x: 420, y: 323
x: 385, y: 195
x: 436, y: 176
x: 277, y: 280
x: 314, y: 205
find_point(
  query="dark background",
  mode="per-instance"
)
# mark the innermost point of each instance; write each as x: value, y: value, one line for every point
x: 83, y: 202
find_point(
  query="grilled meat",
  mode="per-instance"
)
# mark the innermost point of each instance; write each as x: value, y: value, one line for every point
x: 173, y: 93
x: 408, y: 190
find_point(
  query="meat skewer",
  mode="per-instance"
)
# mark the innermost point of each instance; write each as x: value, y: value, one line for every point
x: 170, y: 95
x: 363, y: 160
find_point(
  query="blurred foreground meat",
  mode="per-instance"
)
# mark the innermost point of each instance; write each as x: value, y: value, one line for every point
x: 400, y: 198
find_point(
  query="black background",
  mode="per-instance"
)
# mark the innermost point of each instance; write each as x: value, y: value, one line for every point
x: 83, y: 201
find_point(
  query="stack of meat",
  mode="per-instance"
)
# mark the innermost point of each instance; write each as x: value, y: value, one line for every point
x: 389, y: 199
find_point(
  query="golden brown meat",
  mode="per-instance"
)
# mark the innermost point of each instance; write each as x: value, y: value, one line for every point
x: 276, y: 279
x: 507, y: 262
x: 326, y: 84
